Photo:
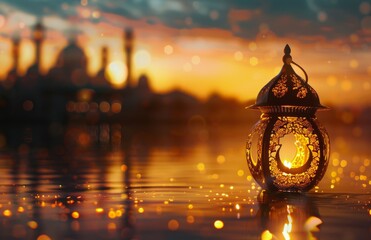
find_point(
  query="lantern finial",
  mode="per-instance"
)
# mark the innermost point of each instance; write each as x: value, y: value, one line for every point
x: 287, y: 50
x: 287, y: 59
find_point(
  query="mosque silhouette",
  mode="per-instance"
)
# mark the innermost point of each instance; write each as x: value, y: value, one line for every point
x: 67, y: 92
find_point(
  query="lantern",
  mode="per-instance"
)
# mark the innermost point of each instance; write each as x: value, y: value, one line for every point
x: 287, y: 150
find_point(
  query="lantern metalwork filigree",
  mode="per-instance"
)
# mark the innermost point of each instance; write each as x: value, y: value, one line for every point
x: 288, y: 149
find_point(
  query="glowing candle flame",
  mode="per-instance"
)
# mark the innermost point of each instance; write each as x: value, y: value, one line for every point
x: 301, y: 151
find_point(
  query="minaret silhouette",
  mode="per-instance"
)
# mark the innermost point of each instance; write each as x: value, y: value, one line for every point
x: 15, y: 51
x: 38, y: 37
x: 13, y: 73
x: 101, y: 80
x: 128, y: 38
x: 104, y: 58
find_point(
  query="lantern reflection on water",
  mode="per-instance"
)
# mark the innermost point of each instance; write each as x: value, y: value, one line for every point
x: 288, y: 216
x: 288, y: 149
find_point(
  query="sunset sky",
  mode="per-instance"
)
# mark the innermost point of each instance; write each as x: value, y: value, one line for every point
x: 230, y: 47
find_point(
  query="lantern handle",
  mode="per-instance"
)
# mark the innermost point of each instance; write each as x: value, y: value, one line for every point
x: 287, y: 59
x: 305, y: 73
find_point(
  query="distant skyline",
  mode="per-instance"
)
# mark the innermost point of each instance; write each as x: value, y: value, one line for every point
x: 230, y: 47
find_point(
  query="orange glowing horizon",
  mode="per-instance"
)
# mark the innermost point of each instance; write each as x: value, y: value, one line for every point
x: 206, y: 61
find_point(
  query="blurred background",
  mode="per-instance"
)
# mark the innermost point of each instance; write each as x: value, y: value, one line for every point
x: 200, y: 51
x: 118, y: 114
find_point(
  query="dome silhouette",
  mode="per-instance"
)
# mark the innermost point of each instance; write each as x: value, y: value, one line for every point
x: 72, y: 56
x: 71, y: 67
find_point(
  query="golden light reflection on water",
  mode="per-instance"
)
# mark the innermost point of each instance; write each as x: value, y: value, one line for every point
x: 287, y: 227
x: 288, y: 216
x: 174, y: 188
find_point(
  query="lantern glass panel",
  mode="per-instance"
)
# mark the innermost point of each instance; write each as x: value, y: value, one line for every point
x: 295, y: 150
x: 300, y: 169
x: 254, y: 150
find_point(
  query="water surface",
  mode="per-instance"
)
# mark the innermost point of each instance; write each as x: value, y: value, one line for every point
x: 113, y: 181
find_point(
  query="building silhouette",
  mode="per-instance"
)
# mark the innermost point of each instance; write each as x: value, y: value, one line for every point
x: 67, y: 92
x: 129, y: 41
x: 100, y: 80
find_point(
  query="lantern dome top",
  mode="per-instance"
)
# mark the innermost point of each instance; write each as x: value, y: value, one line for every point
x: 288, y: 92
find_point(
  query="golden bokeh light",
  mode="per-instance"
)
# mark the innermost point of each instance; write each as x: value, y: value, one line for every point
x: 7, y: 213
x: 240, y: 172
x: 366, y: 162
x: 253, y: 46
x: 335, y: 162
x: 201, y: 167
x: 104, y: 106
x: 190, y: 219
x: 124, y: 167
x: 99, y: 210
x: 116, y: 107
x: 44, y: 237
x: 168, y: 49
x: 142, y: 59
x: 196, y: 60
x: 254, y: 61
x: 119, y: 213
x: 112, y: 214
x: 343, y: 163
x: 218, y: 224
x: 220, y: 159
x: 173, y: 225
x: 266, y: 235
x: 32, y: 224
x: 238, y: 56
x: 117, y: 73
x: 20, y: 209
x: 75, y: 215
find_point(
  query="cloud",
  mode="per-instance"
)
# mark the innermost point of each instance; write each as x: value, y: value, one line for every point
x: 331, y: 19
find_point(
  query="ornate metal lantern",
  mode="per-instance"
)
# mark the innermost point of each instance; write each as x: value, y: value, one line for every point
x: 288, y: 150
